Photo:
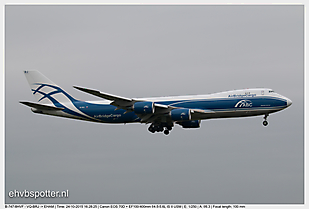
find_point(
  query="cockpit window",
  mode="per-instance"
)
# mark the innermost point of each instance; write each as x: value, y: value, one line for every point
x: 271, y: 91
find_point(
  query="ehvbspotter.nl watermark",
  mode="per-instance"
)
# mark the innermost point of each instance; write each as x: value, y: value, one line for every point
x: 39, y: 194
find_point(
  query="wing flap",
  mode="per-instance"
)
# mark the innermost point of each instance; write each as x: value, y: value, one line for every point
x: 203, y: 111
x: 40, y: 106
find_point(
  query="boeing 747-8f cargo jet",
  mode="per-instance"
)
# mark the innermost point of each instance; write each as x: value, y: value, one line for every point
x: 161, y: 113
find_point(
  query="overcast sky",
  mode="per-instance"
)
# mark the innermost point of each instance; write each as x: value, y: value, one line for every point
x: 143, y: 51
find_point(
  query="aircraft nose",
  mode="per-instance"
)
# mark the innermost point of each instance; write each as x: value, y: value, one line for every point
x: 288, y: 102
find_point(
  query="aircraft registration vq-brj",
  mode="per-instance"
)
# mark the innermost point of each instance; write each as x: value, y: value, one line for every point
x: 161, y: 113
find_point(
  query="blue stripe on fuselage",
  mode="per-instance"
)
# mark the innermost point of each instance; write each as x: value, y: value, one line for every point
x: 107, y: 113
x: 226, y: 103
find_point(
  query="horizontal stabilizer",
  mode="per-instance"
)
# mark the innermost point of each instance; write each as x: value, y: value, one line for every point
x: 41, y: 106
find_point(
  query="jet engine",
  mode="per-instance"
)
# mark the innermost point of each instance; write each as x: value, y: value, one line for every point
x: 190, y: 124
x: 180, y: 114
x: 144, y: 107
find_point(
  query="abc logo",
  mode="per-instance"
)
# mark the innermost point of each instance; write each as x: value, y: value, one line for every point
x: 244, y: 103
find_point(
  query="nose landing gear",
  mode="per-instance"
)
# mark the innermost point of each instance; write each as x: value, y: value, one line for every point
x: 265, y: 123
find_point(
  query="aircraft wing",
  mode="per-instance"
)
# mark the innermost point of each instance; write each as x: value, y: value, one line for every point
x: 118, y: 101
x: 161, y: 111
x: 40, y: 106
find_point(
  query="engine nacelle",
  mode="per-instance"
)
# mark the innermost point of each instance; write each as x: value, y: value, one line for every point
x: 143, y: 107
x: 190, y: 124
x: 180, y: 114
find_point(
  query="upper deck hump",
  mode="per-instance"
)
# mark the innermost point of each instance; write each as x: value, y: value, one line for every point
x: 223, y: 94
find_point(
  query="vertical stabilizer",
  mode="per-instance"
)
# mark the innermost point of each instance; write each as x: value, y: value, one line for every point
x: 45, y: 91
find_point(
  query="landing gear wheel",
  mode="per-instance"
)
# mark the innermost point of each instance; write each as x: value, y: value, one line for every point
x: 265, y: 123
x: 169, y: 128
x: 151, y: 129
x: 161, y: 127
x: 166, y: 132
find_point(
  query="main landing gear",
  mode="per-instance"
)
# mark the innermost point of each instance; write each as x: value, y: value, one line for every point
x: 160, y: 128
x: 265, y: 123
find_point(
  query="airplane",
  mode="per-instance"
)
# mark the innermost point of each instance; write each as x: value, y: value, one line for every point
x: 161, y: 113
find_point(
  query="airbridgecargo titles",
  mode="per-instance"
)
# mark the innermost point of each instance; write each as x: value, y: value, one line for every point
x: 162, y: 113
x: 108, y: 116
x: 242, y: 95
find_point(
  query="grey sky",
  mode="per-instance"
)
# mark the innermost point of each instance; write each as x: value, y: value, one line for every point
x: 143, y: 51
